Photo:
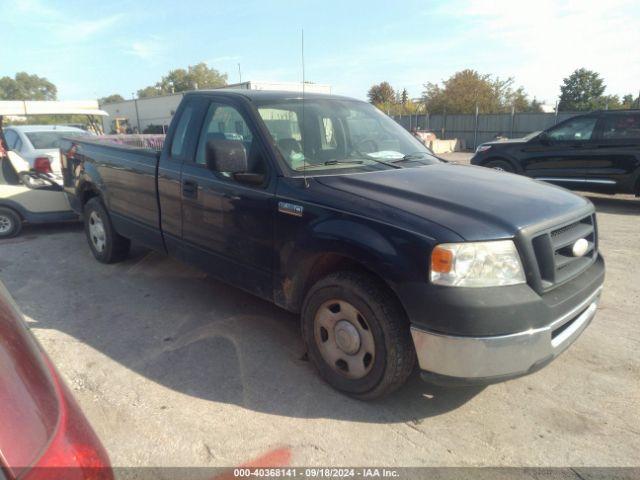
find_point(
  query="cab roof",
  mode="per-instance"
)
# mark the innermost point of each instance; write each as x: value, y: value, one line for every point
x: 268, y: 95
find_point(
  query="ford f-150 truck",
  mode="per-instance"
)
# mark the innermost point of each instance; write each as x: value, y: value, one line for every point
x: 327, y: 207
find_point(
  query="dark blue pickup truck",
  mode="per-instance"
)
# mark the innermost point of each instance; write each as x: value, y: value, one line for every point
x: 326, y: 207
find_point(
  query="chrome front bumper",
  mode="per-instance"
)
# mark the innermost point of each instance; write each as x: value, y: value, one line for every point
x: 505, y: 356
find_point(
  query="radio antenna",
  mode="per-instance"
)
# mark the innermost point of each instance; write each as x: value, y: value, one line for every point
x: 304, y: 158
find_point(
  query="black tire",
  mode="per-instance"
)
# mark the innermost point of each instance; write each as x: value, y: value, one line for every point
x: 110, y: 247
x: 394, y: 357
x: 501, y: 165
x: 10, y: 223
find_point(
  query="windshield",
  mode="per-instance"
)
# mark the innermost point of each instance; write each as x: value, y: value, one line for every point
x: 43, y: 140
x: 329, y: 134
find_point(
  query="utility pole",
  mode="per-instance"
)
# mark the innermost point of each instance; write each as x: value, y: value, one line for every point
x: 240, y: 73
x: 475, y: 129
x: 135, y: 102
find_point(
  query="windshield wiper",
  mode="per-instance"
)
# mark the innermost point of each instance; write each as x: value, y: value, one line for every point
x: 373, y: 159
x: 340, y: 162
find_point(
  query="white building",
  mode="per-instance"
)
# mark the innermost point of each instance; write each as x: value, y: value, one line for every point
x: 143, y: 112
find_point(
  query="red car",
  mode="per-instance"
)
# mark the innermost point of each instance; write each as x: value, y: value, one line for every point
x: 43, y: 433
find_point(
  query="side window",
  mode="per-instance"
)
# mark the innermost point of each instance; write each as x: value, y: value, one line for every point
x: 575, y: 130
x: 619, y: 127
x: 18, y: 146
x: 178, y: 144
x: 225, y: 122
x: 11, y: 138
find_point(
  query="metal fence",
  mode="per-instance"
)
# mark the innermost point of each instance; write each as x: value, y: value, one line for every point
x: 476, y: 129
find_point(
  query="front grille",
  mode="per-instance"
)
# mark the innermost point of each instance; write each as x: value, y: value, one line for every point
x: 554, y: 251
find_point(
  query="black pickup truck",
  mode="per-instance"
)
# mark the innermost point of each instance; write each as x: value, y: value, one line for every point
x: 326, y: 207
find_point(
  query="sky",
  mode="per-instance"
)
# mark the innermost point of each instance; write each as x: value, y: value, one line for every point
x: 93, y: 49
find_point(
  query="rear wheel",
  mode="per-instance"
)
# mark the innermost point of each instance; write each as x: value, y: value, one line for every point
x: 10, y: 223
x: 357, y: 335
x: 500, y: 165
x: 105, y: 243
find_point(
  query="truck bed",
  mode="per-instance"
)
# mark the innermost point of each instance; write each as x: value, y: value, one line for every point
x: 124, y: 168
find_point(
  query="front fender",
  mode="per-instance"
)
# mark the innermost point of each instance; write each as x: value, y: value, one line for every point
x: 394, y: 255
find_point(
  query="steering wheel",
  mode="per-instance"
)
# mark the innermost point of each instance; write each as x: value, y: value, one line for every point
x: 362, y: 144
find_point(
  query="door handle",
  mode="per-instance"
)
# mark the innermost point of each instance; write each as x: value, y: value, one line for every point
x: 190, y: 189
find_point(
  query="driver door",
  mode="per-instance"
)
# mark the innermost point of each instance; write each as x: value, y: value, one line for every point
x: 562, y: 154
x: 227, y: 225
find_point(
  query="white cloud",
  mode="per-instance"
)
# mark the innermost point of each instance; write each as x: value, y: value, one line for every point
x: 541, y: 42
x: 83, y: 29
x: 58, y: 24
x: 148, y: 49
x: 537, y: 42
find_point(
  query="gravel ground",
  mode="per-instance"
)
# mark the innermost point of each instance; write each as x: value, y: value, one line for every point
x: 175, y: 369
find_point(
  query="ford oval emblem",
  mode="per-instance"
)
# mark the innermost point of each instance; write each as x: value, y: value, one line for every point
x: 580, y: 247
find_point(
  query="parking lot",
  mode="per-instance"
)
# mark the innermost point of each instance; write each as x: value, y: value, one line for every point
x: 174, y: 369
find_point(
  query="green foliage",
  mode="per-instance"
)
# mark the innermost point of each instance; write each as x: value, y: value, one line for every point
x: 468, y: 88
x: 27, y: 87
x: 115, y: 98
x: 75, y: 120
x: 180, y: 80
x: 382, y: 93
x: 582, y: 91
x: 392, y: 102
x: 404, y: 96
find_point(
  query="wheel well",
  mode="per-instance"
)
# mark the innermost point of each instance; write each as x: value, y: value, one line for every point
x: 87, y: 192
x: 17, y: 212
x: 502, y: 159
x: 327, y: 264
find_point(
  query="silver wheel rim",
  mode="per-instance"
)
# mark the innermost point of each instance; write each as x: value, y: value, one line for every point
x: 96, y: 232
x: 344, y: 339
x: 5, y: 224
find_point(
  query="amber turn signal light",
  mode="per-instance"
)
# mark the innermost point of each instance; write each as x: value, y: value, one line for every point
x: 441, y: 260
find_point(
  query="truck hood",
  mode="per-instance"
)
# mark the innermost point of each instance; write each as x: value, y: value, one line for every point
x: 476, y: 203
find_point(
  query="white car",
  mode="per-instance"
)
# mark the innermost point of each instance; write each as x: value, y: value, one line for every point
x: 38, y: 144
x: 27, y: 196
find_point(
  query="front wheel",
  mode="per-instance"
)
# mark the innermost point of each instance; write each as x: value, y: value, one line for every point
x: 357, y: 335
x: 500, y: 165
x: 106, y: 244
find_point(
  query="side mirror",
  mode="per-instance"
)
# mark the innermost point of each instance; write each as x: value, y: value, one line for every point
x: 227, y: 156
x: 544, y: 138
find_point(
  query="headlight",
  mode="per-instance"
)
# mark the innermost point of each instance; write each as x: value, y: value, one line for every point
x: 483, y: 148
x: 476, y: 264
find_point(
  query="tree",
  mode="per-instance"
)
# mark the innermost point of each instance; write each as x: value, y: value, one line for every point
x: 27, y: 87
x: 382, y: 93
x: 115, y: 98
x: 465, y: 90
x: 628, y: 101
x: 151, y: 91
x: 582, y: 90
x: 404, y: 96
x: 180, y: 80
